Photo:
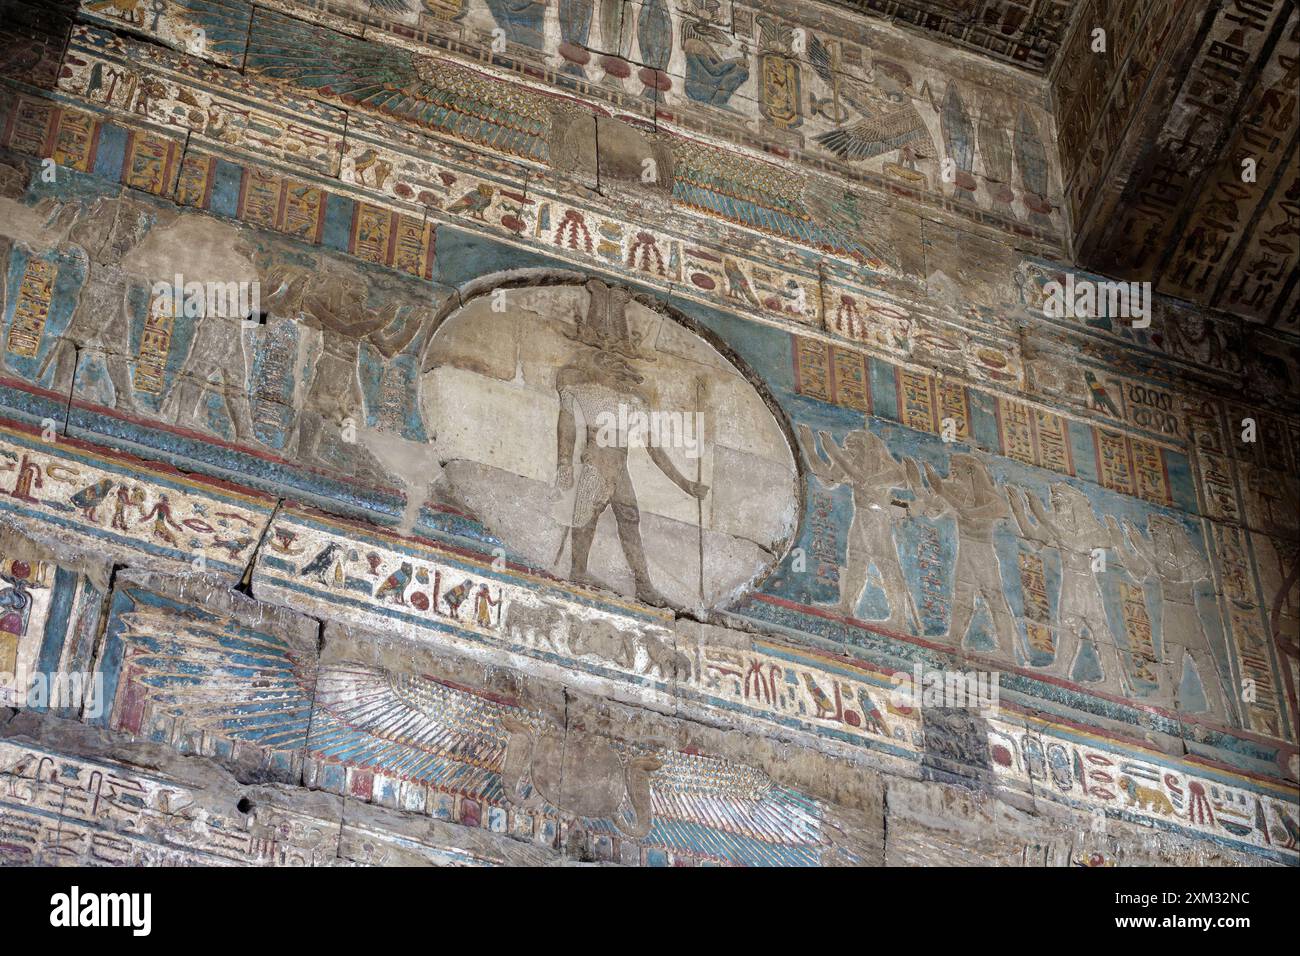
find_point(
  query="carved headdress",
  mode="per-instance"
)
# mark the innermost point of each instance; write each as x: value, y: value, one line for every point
x: 605, y: 325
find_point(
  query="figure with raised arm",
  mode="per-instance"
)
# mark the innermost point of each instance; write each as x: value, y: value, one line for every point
x: 864, y: 463
x: 1172, y: 560
x: 970, y: 495
x: 1072, y: 528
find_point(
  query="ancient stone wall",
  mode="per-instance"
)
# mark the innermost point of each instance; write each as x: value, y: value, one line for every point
x: 500, y: 431
x: 1179, y: 149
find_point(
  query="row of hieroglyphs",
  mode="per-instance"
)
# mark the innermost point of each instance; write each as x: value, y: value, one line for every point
x: 1237, y: 483
x: 958, y: 141
x: 471, y: 607
x: 782, y: 207
x: 213, y: 105
x: 1051, y: 763
x: 297, y: 130
x: 889, y: 330
x: 92, y: 492
x: 59, y: 809
x: 779, y: 204
x: 106, y: 499
x: 1103, y: 779
x: 190, y: 354
x: 196, y: 351
x: 593, y: 37
x: 387, y: 734
x: 773, y: 683
x: 730, y: 197
x: 732, y: 271
x: 1129, y: 230
x: 62, y: 810
x: 1043, y: 440
x: 1118, y: 463
x: 212, y: 374
x: 1215, y: 153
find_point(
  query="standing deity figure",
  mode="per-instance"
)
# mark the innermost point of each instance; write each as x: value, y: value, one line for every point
x: 864, y: 463
x: 595, y: 384
x: 335, y: 304
x: 101, y: 320
x: 216, y: 355
x: 975, y: 502
x: 1072, y: 528
x: 1170, y: 557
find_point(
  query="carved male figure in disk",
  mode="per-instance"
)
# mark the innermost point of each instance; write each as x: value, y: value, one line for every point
x: 863, y: 462
x: 974, y: 500
x: 1073, y: 529
x: 595, y: 384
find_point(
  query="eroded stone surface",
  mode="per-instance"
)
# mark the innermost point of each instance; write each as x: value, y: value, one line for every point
x: 612, y: 428
x: 308, y: 318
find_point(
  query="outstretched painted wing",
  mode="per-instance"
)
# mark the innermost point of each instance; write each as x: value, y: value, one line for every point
x: 735, y: 813
x: 422, y: 729
x: 820, y: 57
x: 411, y: 727
x: 435, y: 94
x: 761, y: 196
x: 207, y: 673
x: 876, y: 135
x: 222, y: 678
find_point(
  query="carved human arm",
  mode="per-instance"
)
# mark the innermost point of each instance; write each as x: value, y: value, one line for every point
x: 875, y: 470
x: 1196, y: 568
x: 990, y: 509
x: 884, y: 481
x: 566, y: 435
x: 937, y: 502
x: 891, y: 472
x: 824, y: 470
x: 914, y: 481
x: 1191, y: 566
x: 324, y: 307
x: 1039, y: 509
x: 1142, y: 549
x: 936, y: 483
x: 1047, y: 524
x: 1030, y: 532
x: 847, y: 468
x: 389, y: 344
x: 335, y: 306
x: 1114, y: 535
x: 285, y: 285
x: 696, y: 489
